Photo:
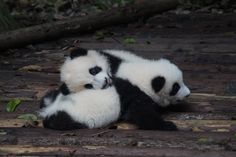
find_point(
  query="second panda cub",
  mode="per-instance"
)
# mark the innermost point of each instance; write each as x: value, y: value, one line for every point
x: 160, y: 79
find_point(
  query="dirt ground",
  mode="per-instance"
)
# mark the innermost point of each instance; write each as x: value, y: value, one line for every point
x: 202, y: 45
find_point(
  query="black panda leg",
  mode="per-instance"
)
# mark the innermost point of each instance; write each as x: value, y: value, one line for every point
x: 147, y: 118
x: 61, y: 121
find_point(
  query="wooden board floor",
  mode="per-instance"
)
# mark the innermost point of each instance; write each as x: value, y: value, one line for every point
x: 202, y: 45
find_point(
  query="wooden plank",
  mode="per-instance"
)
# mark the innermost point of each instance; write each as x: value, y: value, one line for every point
x: 46, y: 60
x: 207, y: 125
x: 135, y: 138
x: 205, y: 96
x: 26, y: 85
x: 180, y: 115
x: 197, y: 125
x: 89, y: 150
x: 17, y: 123
x: 34, y: 77
x: 207, y: 106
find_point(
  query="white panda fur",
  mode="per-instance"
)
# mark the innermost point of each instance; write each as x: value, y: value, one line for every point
x: 140, y: 72
x: 91, y: 108
x: 136, y: 107
x: 75, y: 71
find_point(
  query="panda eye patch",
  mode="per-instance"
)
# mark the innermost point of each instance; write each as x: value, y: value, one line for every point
x: 95, y: 70
x: 88, y: 86
x: 158, y: 83
x: 175, y: 89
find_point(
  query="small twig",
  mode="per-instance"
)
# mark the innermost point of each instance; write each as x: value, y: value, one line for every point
x: 100, y: 133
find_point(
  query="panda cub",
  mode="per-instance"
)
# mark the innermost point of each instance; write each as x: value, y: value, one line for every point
x: 86, y: 99
x: 159, y: 79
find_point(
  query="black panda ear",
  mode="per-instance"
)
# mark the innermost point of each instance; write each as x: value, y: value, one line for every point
x: 175, y: 89
x: 77, y: 52
x: 158, y: 83
x: 64, y: 89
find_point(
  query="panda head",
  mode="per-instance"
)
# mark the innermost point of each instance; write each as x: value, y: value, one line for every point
x: 85, y: 69
x: 168, y: 85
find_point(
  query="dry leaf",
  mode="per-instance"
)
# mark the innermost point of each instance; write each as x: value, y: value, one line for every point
x: 197, y: 129
x: 221, y: 130
x: 31, y: 68
x: 126, y: 126
x: 94, y: 147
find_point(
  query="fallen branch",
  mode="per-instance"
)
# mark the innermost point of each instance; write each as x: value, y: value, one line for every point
x: 39, y: 33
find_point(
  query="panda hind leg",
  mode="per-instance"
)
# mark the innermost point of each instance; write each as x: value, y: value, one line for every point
x: 147, y: 118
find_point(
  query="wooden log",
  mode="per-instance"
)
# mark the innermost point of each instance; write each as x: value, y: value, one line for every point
x: 140, y: 9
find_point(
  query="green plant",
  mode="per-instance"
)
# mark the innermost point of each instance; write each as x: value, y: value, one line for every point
x: 12, y: 104
x: 129, y: 40
x: 28, y: 117
x: 7, y: 22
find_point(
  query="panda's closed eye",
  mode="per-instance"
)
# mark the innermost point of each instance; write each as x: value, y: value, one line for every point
x: 175, y: 89
x: 95, y: 70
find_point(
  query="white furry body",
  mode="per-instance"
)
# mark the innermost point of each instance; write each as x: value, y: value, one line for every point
x: 150, y: 69
x: 93, y: 108
x: 140, y: 72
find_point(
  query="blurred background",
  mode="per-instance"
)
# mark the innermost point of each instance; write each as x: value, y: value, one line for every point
x: 23, y: 13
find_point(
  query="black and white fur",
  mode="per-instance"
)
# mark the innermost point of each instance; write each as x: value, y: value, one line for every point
x: 90, y: 108
x: 159, y: 79
x: 136, y: 107
x: 86, y: 99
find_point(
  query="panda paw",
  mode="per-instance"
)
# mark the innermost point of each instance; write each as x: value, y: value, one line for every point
x: 168, y: 126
